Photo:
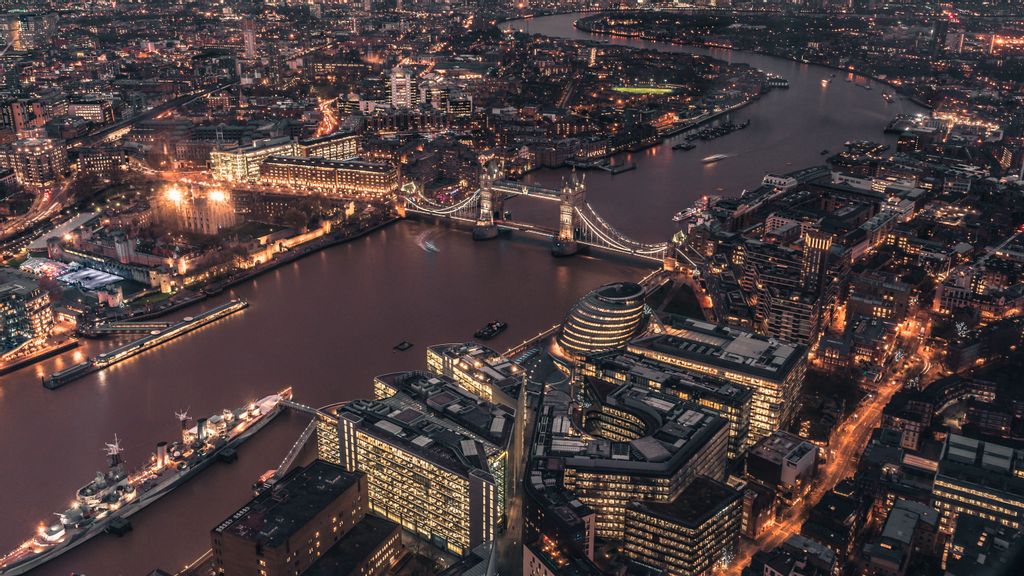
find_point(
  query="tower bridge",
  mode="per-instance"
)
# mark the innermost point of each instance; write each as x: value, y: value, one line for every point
x: 578, y: 223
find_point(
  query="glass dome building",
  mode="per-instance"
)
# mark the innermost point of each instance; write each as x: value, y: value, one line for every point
x: 604, y: 319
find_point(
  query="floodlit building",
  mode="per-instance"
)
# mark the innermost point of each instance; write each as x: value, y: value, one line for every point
x: 336, y: 146
x: 434, y: 456
x: 206, y: 213
x: 349, y: 177
x: 242, y: 163
x: 688, y: 536
x: 773, y: 369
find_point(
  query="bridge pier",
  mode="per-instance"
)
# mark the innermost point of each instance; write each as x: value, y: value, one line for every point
x: 485, y: 232
x: 561, y: 247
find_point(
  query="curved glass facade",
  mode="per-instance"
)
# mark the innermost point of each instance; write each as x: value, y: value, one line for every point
x: 604, y: 319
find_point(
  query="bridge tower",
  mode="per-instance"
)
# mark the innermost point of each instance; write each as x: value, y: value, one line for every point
x: 574, y: 194
x: 485, y: 228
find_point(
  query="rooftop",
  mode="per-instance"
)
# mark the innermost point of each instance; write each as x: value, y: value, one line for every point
x: 354, y: 547
x: 781, y: 446
x: 676, y: 430
x: 272, y: 517
x: 329, y: 163
x: 702, y: 499
x: 429, y: 415
x: 670, y: 377
x: 725, y: 347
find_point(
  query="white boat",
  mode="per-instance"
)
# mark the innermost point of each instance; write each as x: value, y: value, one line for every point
x: 714, y: 158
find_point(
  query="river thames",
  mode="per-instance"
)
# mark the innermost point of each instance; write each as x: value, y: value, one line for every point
x: 327, y: 323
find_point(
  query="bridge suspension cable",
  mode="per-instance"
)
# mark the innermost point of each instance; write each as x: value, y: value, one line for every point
x: 467, y: 204
x: 613, y: 238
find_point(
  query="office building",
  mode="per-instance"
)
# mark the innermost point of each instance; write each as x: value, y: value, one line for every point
x: 242, y: 163
x: 291, y: 527
x: 434, y: 456
x: 773, y: 369
x: 645, y: 446
x: 689, y: 536
x: 335, y: 146
x: 26, y: 314
x: 980, y: 547
x: 403, y: 88
x: 730, y: 401
x: 100, y: 111
x: 40, y: 162
x: 605, y: 319
x: 478, y: 370
x: 980, y: 479
x: 341, y: 177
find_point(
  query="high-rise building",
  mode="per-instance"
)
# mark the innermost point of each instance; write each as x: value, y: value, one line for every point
x: 434, y: 456
x: 980, y: 479
x: 249, y: 38
x: 40, y: 162
x: 403, y: 88
x: 817, y: 245
x: 26, y: 314
x: 773, y: 369
x: 688, y: 536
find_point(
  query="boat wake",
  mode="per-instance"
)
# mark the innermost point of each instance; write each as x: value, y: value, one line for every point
x: 425, y: 241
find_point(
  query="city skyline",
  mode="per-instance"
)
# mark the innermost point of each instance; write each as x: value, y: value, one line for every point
x: 539, y: 288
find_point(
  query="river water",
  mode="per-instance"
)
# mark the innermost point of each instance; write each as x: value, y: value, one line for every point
x: 788, y: 130
x: 327, y: 323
